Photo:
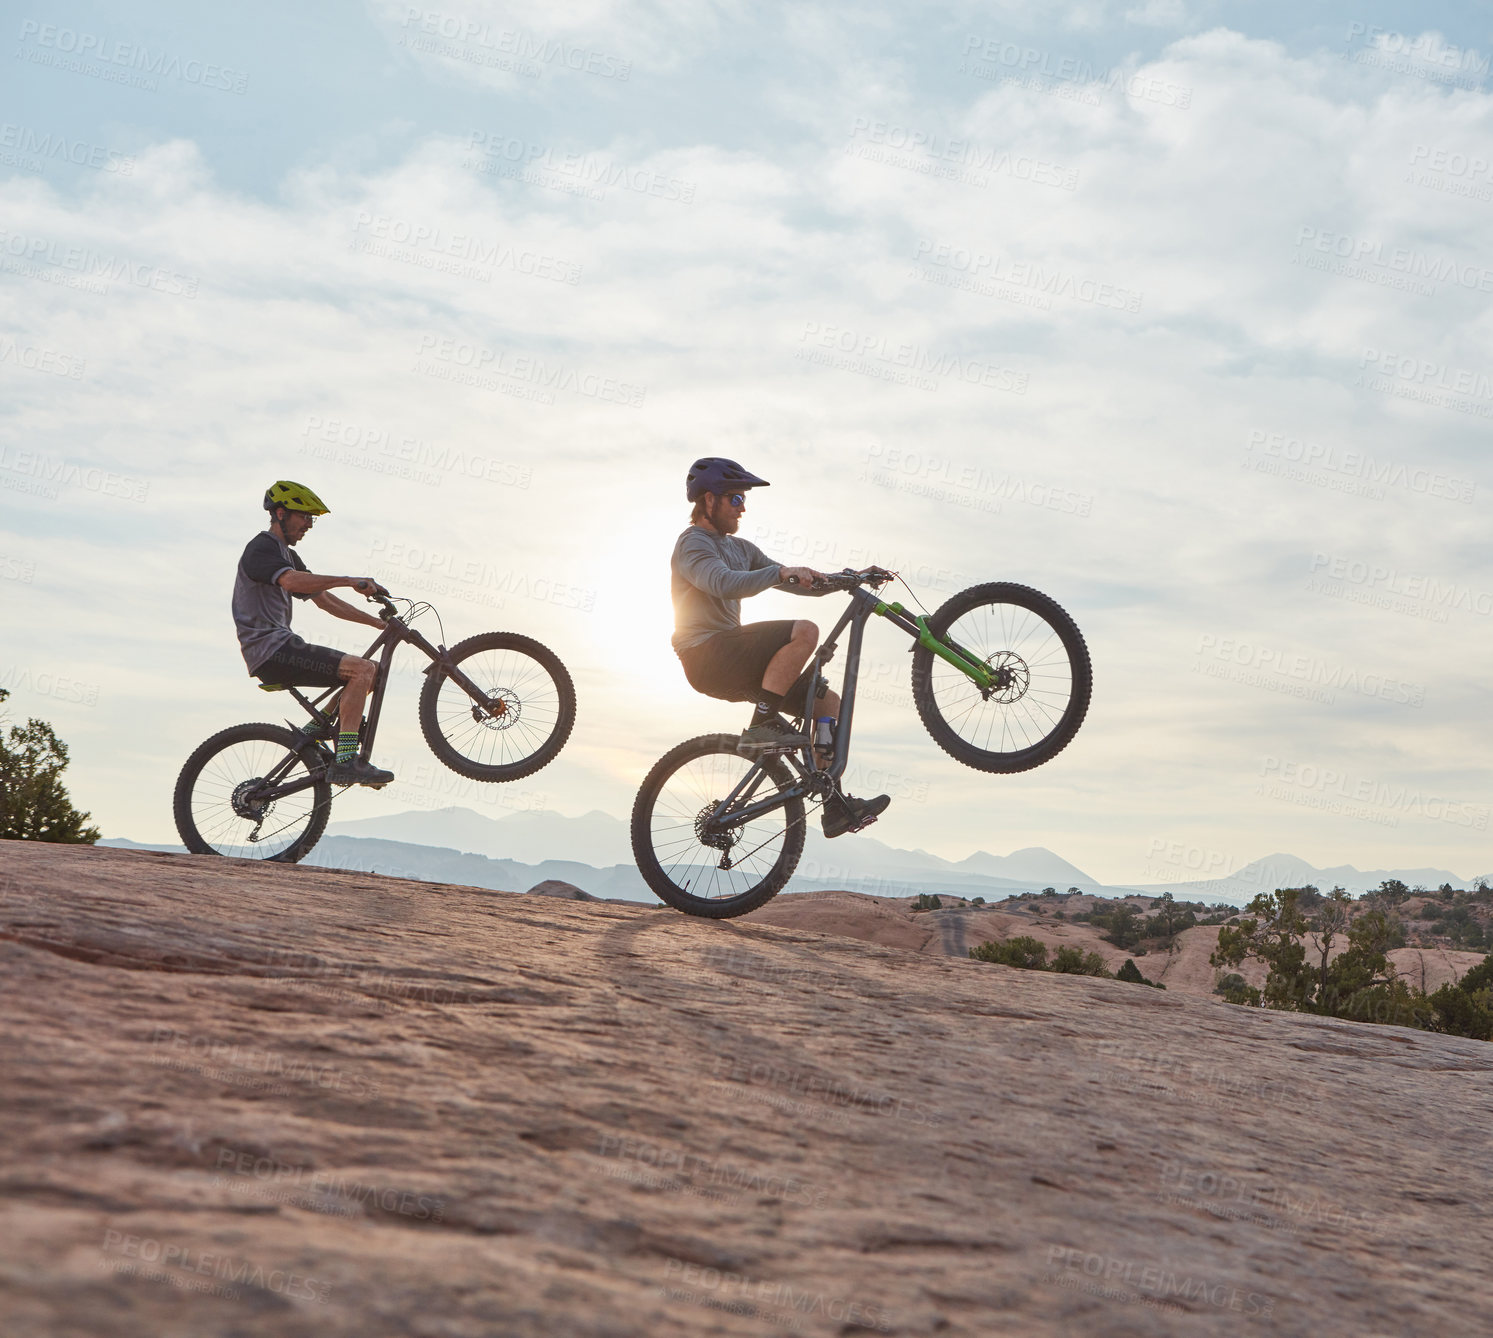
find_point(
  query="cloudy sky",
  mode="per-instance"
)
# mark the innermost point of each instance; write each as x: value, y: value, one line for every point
x: 1215, y: 277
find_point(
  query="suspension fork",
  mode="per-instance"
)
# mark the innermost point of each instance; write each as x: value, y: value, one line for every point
x: 916, y: 626
x: 440, y: 663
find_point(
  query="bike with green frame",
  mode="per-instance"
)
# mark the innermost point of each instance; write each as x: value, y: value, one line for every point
x: 1001, y: 678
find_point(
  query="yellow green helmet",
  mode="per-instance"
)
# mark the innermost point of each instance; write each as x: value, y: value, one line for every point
x: 294, y: 497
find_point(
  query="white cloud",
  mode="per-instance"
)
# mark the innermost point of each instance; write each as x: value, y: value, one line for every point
x: 1184, y: 314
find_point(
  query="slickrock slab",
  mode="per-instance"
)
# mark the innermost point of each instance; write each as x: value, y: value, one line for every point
x: 251, y: 1100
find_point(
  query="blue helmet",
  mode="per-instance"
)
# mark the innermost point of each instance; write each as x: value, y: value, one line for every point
x: 717, y: 474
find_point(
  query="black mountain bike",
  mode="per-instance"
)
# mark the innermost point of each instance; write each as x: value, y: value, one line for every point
x: 494, y: 707
x: 1001, y: 678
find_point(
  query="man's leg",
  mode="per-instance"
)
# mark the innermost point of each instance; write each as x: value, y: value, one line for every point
x: 358, y: 674
x: 788, y: 663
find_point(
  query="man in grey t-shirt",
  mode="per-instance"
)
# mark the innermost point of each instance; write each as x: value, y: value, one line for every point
x: 270, y: 574
x: 712, y: 571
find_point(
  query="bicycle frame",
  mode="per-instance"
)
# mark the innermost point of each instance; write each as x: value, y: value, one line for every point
x: 395, y: 631
x: 812, y: 780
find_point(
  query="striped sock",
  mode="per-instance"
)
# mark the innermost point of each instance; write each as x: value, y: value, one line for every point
x: 347, y: 746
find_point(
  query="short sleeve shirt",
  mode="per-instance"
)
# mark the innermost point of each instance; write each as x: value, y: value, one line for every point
x: 261, y: 606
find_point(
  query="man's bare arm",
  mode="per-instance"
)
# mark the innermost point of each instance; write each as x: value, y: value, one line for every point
x: 340, y: 608
x: 308, y: 583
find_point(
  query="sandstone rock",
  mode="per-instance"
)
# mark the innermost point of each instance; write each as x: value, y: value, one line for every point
x: 262, y: 1100
x: 554, y: 887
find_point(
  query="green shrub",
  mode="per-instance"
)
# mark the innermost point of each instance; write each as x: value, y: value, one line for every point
x: 1023, y: 951
x: 1070, y: 961
x: 1131, y: 972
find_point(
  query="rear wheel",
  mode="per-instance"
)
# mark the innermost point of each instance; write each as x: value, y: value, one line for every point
x: 690, y: 861
x: 521, y: 718
x: 221, y: 806
x: 1044, y: 678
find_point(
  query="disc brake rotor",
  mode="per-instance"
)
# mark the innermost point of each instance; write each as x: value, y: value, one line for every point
x: 501, y: 710
x: 1012, y: 677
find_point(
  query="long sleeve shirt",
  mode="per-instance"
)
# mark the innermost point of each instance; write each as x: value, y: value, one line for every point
x: 710, y: 574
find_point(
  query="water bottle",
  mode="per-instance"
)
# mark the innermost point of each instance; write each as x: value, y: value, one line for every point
x: 824, y: 732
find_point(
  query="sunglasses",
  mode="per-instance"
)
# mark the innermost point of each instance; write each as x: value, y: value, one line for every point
x: 736, y: 499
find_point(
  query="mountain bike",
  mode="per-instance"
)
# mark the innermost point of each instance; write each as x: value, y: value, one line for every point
x: 1001, y: 678
x: 495, y: 707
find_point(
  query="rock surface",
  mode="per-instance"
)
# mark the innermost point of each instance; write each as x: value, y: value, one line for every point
x: 554, y: 887
x: 244, y: 1100
x: 953, y: 931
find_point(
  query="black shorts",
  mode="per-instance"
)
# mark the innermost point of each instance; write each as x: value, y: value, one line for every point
x: 300, y: 665
x: 731, y: 664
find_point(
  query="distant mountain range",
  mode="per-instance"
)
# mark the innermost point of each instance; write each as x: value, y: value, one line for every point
x: 1280, y: 870
x: 513, y: 853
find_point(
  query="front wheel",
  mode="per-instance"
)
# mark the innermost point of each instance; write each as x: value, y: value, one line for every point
x: 513, y: 720
x: 254, y: 792
x: 1043, y: 678
x: 693, y: 862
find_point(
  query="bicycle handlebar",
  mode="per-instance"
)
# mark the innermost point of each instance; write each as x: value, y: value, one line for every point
x: 378, y: 595
x: 848, y: 579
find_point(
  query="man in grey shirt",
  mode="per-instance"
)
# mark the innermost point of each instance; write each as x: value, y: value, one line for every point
x: 712, y: 571
x: 270, y: 574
